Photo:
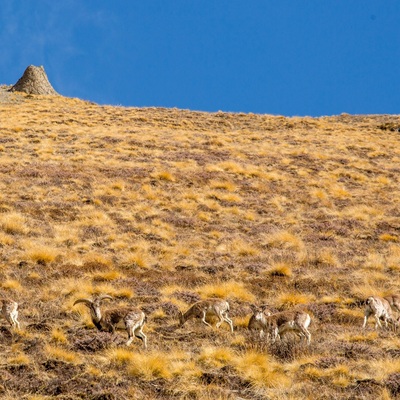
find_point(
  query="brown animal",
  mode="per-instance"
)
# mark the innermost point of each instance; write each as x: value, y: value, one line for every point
x: 202, y: 308
x: 394, y: 301
x: 277, y: 325
x: 257, y: 319
x: 132, y: 318
x: 9, y: 310
x: 379, y: 307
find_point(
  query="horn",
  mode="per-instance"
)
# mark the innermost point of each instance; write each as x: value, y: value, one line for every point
x: 85, y: 301
x: 104, y: 296
x: 253, y: 308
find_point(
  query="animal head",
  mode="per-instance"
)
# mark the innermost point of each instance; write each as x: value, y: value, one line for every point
x: 94, y: 305
x: 260, y: 312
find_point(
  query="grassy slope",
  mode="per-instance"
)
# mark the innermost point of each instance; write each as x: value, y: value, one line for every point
x: 162, y: 207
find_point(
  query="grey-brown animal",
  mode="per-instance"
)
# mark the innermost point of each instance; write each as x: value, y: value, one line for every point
x: 277, y: 325
x: 9, y: 310
x: 380, y: 308
x: 202, y: 308
x: 132, y: 318
x: 394, y: 301
x: 257, y: 322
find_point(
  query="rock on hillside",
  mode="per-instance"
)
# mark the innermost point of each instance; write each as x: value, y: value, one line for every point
x: 34, y: 81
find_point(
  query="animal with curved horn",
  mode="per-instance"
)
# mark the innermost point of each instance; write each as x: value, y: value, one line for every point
x: 132, y: 317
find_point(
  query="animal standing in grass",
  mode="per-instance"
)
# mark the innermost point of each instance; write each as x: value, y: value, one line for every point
x: 394, y: 301
x: 379, y: 307
x: 202, y: 308
x: 277, y: 325
x: 9, y: 310
x: 133, y: 319
x: 257, y: 321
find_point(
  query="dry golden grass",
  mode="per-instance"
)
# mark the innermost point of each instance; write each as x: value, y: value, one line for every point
x: 58, y: 336
x: 226, y: 290
x: 61, y: 354
x: 163, y: 207
x: 280, y: 269
x: 13, y: 223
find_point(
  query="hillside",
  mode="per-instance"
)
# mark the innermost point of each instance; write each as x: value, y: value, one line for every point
x: 163, y: 207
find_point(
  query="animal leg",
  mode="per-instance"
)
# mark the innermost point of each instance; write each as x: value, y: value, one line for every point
x: 366, y: 316
x: 11, y: 320
x: 203, y: 319
x: 307, y: 335
x: 228, y: 321
x: 129, y: 329
x: 378, y: 323
x: 139, y: 334
x: 304, y: 333
x: 274, y: 334
x: 15, y: 319
x: 223, y: 317
x: 221, y: 320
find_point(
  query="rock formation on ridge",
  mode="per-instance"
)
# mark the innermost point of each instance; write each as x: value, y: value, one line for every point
x: 34, y: 81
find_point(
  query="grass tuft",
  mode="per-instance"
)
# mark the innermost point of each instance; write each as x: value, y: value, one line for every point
x: 61, y: 354
x: 261, y: 370
x: 39, y: 253
x: 285, y: 240
x: 280, y: 269
x: 14, y: 223
x: 290, y: 299
x: 226, y: 290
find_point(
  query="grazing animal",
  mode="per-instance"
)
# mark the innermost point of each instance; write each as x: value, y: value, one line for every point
x: 283, y: 322
x: 133, y: 318
x: 9, y: 311
x: 379, y: 307
x: 394, y: 301
x: 257, y: 319
x: 202, y: 308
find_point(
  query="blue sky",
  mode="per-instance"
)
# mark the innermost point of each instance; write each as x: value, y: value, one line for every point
x: 285, y: 57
